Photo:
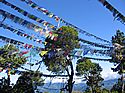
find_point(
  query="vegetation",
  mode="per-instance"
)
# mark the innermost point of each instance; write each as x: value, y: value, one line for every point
x: 60, y: 44
x: 28, y: 82
x: 10, y: 59
x: 92, y: 74
x: 118, y: 86
x: 24, y: 84
x: 118, y: 57
x: 59, y: 48
x: 9, y: 56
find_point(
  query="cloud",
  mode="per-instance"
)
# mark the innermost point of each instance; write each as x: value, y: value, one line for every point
x: 109, y: 74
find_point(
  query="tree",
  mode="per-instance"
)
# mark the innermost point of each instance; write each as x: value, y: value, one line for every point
x: 60, y: 44
x: 117, y: 87
x: 36, y: 79
x: 28, y: 82
x: 4, y: 88
x: 104, y: 90
x: 91, y: 72
x: 9, y: 56
x: 10, y: 59
x: 87, y: 90
x: 118, y: 56
x: 24, y: 84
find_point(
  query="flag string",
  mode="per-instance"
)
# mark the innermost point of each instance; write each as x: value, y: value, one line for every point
x: 116, y: 14
x: 52, y: 15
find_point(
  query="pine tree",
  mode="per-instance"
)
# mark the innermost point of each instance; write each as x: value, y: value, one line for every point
x: 10, y: 59
x: 92, y: 74
x: 117, y: 87
x: 118, y: 56
x: 60, y: 44
x: 9, y: 56
x: 24, y: 84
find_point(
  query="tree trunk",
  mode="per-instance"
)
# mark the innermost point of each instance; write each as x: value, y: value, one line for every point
x: 122, y: 80
x: 123, y: 83
x: 8, y: 81
x: 91, y: 90
x: 70, y: 81
x: 8, y: 74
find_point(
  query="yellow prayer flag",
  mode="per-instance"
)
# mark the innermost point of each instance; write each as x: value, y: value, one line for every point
x: 43, y: 53
x: 123, y: 71
x: 45, y: 43
x: 52, y: 26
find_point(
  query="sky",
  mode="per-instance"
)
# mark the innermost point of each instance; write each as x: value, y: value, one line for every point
x: 89, y: 15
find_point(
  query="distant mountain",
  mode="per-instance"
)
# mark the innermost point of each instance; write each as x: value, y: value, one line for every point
x: 55, y: 87
x: 109, y: 83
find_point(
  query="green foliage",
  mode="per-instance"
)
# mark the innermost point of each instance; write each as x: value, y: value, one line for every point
x: 4, y: 88
x: 114, y: 92
x: 10, y: 56
x: 84, y: 67
x: 24, y: 84
x: 67, y: 39
x: 59, y: 49
x: 118, y: 58
x: 91, y: 72
x: 36, y: 78
x: 87, y: 90
x: 46, y: 92
x: 119, y: 52
x: 104, y: 90
x: 118, y: 38
x: 117, y: 88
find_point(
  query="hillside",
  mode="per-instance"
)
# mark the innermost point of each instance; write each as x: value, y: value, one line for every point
x: 55, y: 87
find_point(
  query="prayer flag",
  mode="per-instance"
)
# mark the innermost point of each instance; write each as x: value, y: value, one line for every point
x: 43, y: 53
